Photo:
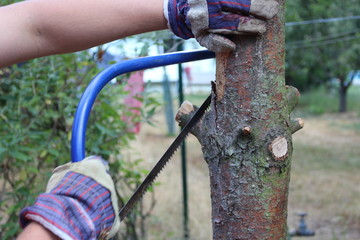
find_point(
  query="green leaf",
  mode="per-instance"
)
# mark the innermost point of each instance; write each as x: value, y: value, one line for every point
x: 54, y: 152
x: 19, y: 155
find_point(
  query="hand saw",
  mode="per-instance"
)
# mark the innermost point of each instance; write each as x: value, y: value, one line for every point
x: 150, y: 178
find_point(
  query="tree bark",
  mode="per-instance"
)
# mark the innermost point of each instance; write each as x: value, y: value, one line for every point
x: 246, y: 137
x: 343, y: 89
x: 342, y: 97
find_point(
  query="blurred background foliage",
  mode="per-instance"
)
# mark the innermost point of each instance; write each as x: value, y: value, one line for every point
x: 316, y: 53
x: 37, y: 103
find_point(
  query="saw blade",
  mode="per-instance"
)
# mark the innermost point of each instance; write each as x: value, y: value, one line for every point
x: 150, y: 178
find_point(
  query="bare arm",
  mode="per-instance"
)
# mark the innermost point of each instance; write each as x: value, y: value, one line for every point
x: 35, y: 231
x: 37, y: 28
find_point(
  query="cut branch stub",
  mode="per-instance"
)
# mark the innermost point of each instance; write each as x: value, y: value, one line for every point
x: 246, y: 130
x: 296, y: 125
x: 279, y: 148
x: 186, y: 111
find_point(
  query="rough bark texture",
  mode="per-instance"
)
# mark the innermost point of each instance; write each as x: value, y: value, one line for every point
x: 246, y: 138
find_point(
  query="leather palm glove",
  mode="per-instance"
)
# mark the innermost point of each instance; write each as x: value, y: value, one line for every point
x: 80, y: 202
x: 209, y: 20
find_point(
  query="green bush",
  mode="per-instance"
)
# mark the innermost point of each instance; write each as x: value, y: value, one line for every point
x: 37, y: 104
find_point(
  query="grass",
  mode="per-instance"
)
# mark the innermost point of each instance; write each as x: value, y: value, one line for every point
x: 322, y: 100
x: 325, y: 177
x: 324, y: 182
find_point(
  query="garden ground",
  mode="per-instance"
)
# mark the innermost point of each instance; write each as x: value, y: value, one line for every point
x: 324, y: 180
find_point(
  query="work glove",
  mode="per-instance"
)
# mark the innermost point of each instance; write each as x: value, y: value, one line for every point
x: 209, y: 20
x: 79, y: 203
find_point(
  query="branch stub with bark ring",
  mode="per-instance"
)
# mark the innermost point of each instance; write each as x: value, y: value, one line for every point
x: 279, y: 148
x: 246, y: 131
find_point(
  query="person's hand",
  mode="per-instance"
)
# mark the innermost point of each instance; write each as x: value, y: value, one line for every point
x: 208, y: 20
x: 80, y: 202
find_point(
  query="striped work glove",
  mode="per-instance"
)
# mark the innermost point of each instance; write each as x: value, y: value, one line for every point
x: 80, y: 202
x: 209, y: 20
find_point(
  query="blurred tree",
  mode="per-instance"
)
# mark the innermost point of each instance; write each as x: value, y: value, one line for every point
x: 319, y: 52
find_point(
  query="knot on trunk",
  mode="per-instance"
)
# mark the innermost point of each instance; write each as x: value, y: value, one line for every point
x: 292, y: 97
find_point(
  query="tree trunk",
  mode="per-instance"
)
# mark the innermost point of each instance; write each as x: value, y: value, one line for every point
x: 343, y: 88
x: 342, y: 96
x: 246, y: 138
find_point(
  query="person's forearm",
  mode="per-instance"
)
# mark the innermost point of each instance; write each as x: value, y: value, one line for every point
x: 35, y: 231
x: 38, y: 28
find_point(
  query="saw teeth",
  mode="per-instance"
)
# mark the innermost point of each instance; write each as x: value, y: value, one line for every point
x: 160, y: 165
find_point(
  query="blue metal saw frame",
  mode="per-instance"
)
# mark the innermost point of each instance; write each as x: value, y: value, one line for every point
x: 87, y: 100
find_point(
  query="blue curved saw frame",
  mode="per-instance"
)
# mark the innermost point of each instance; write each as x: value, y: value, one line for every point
x: 88, y: 98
